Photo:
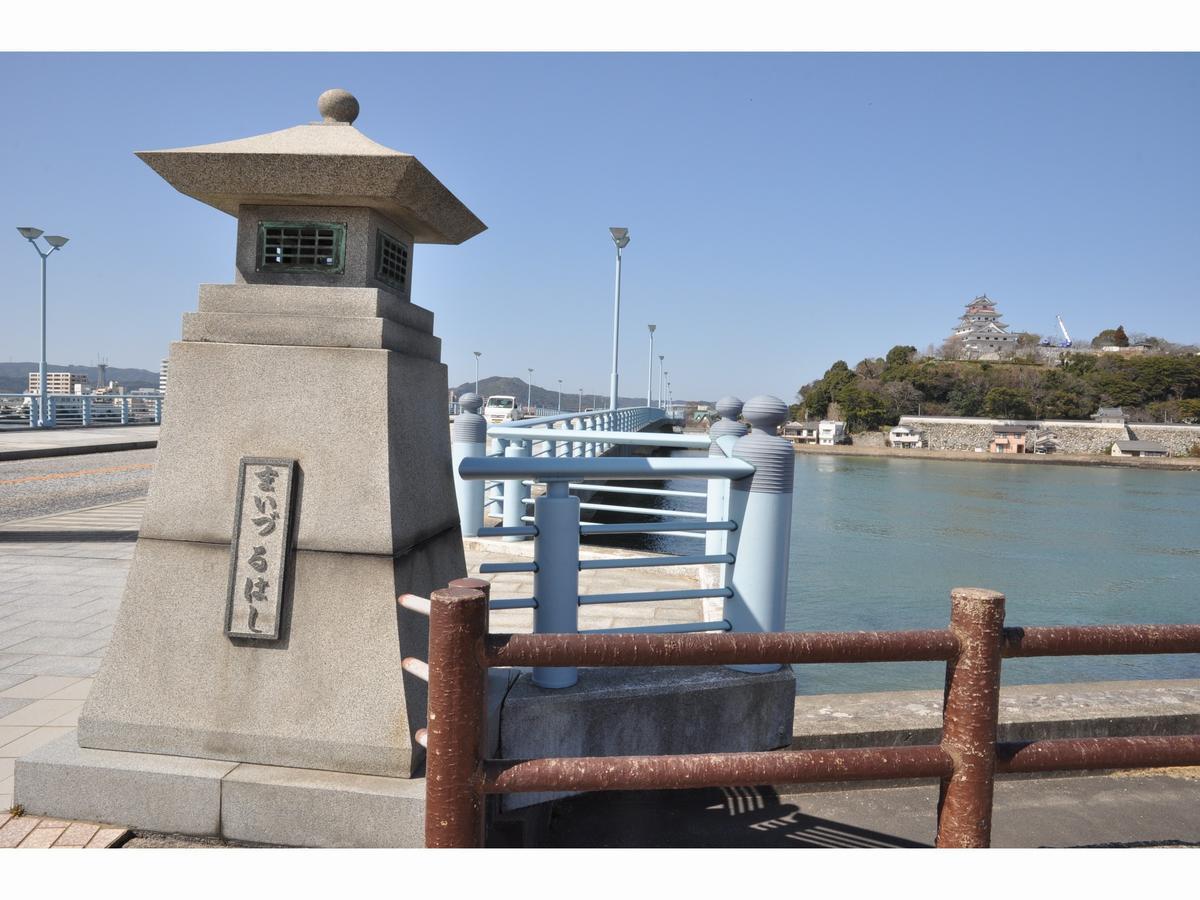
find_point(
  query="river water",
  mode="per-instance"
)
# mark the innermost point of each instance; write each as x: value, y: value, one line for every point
x: 878, y: 543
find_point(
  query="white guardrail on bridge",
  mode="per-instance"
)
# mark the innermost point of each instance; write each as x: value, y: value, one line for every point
x: 80, y: 410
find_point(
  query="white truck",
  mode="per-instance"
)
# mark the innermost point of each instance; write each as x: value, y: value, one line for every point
x: 501, y: 409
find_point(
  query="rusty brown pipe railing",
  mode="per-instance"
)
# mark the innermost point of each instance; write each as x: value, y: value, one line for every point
x: 966, y: 760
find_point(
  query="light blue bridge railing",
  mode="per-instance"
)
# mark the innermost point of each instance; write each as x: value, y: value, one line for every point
x: 81, y: 410
x: 745, y: 529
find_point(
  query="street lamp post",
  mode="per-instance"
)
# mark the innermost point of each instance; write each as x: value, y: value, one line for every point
x: 478, y: 354
x: 661, y: 378
x: 620, y: 237
x: 579, y: 408
x: 56, y: 242
x: 560, y: 395
x: 650, y: 371
x: 529, y: 391
x: 667, y: 392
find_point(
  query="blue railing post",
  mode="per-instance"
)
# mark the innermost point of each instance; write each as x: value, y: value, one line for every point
x: 515, y: 491
x: 158, y: 410
x: 124, y: 410
x: 762, y: 505
x: 556, y: 581
x: 468, y: 437
x: 86, y: 412
x: 729, y: 408
x: 493, y: 496
x: 33, y: 411
x: 51, y: 410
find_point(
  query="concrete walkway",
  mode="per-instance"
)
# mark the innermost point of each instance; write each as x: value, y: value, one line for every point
x: 61, y: 580
x: 37, y: 443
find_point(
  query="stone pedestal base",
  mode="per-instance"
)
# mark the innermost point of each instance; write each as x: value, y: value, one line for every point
x: 217, y: 798
x: 646, y: 711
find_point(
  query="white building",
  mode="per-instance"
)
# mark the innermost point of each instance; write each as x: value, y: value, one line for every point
x: 830, y: 432
x: 800, y: 432
x: 906, y: 437
x: 1140, y: 448
x: 58, y: 383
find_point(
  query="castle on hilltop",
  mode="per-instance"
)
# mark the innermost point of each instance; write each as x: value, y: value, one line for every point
x: 980, y: 331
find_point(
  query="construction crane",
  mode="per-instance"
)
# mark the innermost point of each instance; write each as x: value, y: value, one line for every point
x: 1064, y: 343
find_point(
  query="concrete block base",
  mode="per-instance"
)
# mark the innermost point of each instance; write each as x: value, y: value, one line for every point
x: 204, y: 797
x: 635, y: 711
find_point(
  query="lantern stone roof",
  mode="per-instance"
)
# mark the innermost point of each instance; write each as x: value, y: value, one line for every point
x: 327, y: 163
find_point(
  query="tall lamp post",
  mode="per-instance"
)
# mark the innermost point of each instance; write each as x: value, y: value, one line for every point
x: 56, y: 242
x: 560, y: 395
x: 478, y: 353
x: 650, y: 371
x: 529, y: 391
x: 579, y: 408
x: 620, y: 237
x: 661, y: 379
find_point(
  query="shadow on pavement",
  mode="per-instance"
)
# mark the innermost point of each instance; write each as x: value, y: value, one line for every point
x: 713, y: 817
x: 63, y: 536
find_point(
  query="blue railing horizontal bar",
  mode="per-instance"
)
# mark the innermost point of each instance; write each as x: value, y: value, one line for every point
x: 597, y: 469
x: 495, y: 568
x: 646, y: 596
x: 512, y: 530
x: 680, y: 628
x: 514, y: 603
x: 639, y: 438
x: 649, y: 492
x: 643, y: 511
x: 654, y: 527
x: 641, y: 562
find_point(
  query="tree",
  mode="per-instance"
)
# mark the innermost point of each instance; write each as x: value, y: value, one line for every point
x: 900, y: 355
x: 1111, y: 337
x: 1008, y: 403
x: 862, y: 408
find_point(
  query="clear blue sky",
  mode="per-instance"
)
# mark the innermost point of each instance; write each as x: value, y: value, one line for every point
x: 786, y: 210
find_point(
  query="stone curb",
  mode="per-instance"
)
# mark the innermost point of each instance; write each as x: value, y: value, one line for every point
x: 47, y: 452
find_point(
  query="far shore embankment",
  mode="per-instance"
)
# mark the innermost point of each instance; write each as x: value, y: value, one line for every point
x: 1174, y: 463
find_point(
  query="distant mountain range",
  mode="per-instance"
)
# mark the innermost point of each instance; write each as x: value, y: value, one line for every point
x: 545, y: 398
x: 14, y: 376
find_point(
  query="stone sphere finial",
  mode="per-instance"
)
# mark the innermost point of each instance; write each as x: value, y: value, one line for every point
x: 729, y: 408
x: 765, y: 413
x: 337, y: 105
x: 470, y: 401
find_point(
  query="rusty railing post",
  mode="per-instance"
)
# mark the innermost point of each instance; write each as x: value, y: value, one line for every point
x: 454, y: 800
x: 969, y: 718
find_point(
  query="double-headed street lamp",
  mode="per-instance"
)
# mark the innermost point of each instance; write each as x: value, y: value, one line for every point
x: 56, y: 242
x: 620, y: 237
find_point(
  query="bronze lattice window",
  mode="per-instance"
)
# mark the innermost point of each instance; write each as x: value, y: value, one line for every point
x: 301, y: 247
x: 391, y: 261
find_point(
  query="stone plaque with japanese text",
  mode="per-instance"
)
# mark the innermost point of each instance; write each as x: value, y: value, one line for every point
x: 259, y: 555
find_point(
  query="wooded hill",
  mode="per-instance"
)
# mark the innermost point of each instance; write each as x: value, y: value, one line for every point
x: 876, y: 392
x: 14, y: 376
x: 545, y: 398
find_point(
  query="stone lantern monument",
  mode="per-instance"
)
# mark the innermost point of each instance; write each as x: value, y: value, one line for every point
x: 253, y: 682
